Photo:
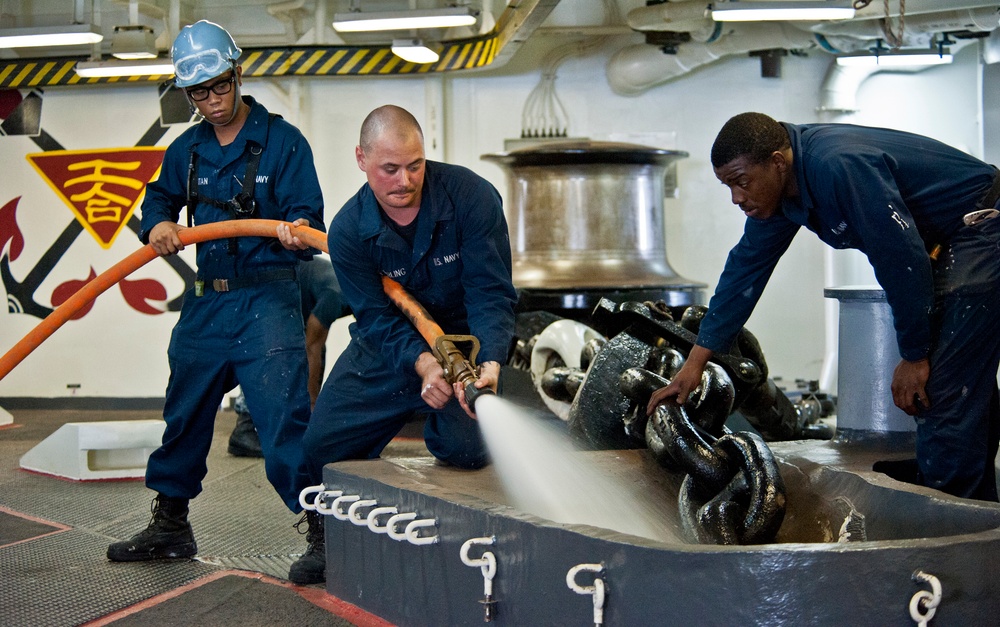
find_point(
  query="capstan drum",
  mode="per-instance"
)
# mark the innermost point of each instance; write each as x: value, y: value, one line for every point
x: 586, y: 221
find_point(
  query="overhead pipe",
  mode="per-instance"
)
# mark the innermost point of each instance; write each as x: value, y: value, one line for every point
x: 636, y: 69
x: 981, y: 19
x: 671, y: 16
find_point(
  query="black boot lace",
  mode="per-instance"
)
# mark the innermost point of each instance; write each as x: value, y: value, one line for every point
x: 314, y: 531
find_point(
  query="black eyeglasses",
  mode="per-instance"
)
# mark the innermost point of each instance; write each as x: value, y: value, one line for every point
x: 219, y: 88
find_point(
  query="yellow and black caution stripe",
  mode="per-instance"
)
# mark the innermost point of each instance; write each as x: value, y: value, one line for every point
x: 361, y: 61
x: 271, y: 62
x: 514, y: 25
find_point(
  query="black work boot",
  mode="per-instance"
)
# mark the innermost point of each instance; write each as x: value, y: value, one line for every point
x: 311, y: 567
x: 168, y: 534
x: 244, y: 441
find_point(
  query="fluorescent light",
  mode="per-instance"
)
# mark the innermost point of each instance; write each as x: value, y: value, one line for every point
x: 895, y: 59
x: 750, y: 11
x: 414, y: 51
x: 140, y: 67
x: 69, y: 35
x: 357, y: 21
x: 133, y: 42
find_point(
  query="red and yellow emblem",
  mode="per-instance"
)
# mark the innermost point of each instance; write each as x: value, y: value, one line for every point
x: 101, y: 187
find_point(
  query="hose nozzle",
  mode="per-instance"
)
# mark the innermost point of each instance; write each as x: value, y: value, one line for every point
x: 458, y: 368
x: 472, y: 393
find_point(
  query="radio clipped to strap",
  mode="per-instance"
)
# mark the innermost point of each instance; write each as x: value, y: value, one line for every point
x: 243, y: 204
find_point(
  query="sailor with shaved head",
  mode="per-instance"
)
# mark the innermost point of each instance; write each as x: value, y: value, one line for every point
x: 439, y: 230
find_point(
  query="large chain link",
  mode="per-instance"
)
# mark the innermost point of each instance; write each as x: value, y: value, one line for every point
x: 732, y: 492
x: 742, y: 501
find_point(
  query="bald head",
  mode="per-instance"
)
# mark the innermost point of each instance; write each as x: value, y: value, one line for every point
x: 390, y: 121
x: 391, y: 154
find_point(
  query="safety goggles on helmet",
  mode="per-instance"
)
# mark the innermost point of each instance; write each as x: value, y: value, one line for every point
x: 208, y: 63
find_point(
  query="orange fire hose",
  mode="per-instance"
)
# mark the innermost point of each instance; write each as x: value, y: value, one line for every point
x: 457, y: 368
x: 128, y: 265
x: 412, y: 310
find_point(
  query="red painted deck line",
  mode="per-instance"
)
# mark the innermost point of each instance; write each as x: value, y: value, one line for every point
x: 75, y: 480
x: 59, y: 528
x: 316, y: 596
x: 343, y: 609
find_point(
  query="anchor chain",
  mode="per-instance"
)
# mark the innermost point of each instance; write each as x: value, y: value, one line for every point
x: 732, y: 492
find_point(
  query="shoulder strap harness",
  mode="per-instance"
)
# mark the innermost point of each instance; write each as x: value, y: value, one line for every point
x: 242, y: 205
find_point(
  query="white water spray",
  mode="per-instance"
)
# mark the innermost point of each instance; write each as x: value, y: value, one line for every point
x: 544, y: 475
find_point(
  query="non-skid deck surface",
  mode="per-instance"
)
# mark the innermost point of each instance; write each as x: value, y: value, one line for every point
x: 54, y: 534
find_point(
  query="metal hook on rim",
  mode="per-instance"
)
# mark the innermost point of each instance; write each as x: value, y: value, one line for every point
x: 373, y: 519
x: 488, y: 566
x: 464, y: 552
x: 597, y: 590
x: 413, y: 530
x: 390, y: 525
x: 335, y: 510
x: 352, y: 512
x: 924, y: 600
x: 323, y: 497
x: 304, y: 502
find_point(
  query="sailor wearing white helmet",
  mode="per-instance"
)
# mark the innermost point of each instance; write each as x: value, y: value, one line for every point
x: 241, y: 321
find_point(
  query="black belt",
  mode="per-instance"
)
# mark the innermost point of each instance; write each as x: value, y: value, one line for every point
x: 257, y: 278
x: 985, y: 207
x: 992, y: 195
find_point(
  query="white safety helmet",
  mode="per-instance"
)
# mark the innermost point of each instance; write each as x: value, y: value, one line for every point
x: 201, y: 52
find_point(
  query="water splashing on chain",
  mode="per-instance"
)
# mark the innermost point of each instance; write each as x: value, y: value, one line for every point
x: 543, y: 474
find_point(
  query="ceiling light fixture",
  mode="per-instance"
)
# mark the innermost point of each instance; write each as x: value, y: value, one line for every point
x: 133, y: 42
x: 69, y: 35
x: 138, y: 67
x: 449, y: 17
x: 750, y: 11
x: 902, y: 58
x: 415, y: 51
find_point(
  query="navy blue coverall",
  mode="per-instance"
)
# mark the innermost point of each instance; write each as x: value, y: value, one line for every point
x: 321, y: 295
x: 895, y: 196
x: 459, y: 269
x: 252, y: 334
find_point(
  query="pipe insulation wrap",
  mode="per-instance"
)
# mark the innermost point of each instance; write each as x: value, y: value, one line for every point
x: 635, y: 69
x: 670, y: 16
